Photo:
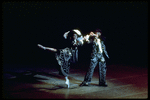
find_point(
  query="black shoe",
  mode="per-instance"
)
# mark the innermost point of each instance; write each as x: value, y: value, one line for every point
x: 84, y: 84
x: 103, y: 84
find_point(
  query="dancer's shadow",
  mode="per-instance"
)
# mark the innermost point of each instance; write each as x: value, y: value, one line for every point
x: 53, y: 79
x: 23, y: 77
x: 35, y: 77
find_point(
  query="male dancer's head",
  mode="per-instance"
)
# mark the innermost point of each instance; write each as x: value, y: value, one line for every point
x: 98, y: 32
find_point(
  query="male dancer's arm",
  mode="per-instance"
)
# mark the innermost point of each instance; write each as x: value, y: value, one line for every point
x: 104, y: 48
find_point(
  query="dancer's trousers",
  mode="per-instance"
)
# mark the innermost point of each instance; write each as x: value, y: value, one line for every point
x: 102, y: 71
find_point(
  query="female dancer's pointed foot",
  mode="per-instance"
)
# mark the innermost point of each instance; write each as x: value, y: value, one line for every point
x: 67, y: 82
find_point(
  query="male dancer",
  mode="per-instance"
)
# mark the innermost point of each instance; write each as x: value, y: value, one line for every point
x: 97, y: 57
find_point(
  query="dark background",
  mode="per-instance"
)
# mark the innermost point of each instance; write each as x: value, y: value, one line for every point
x: 25, y: 24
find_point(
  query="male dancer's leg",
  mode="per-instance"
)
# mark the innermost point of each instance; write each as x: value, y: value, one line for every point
x: 89, y: 74
x: 102, y: 73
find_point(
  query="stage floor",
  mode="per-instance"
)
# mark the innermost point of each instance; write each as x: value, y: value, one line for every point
x: 44, y: 82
